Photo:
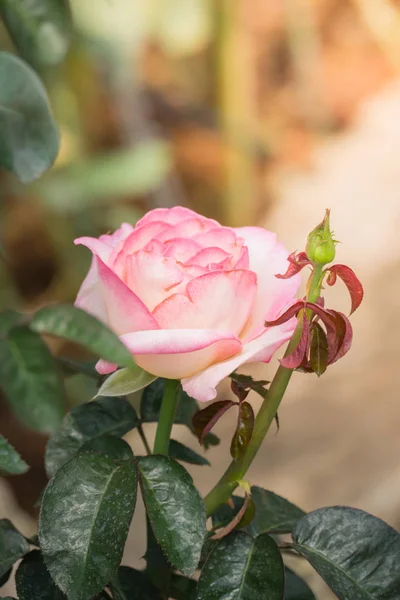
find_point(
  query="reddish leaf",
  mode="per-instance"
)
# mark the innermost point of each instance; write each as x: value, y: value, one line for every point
x: 350, y: 280
x: 288, y: 314
x: 245, y: 383
x: 244, y: 430
x: 296, y: 263
x: 295, y: 358
x: 344, y: 335
x: 204, y: 420
x: 318, y: 349
x: 242, y: 518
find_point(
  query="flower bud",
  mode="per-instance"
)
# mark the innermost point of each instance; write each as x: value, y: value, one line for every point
x: 320, y: 247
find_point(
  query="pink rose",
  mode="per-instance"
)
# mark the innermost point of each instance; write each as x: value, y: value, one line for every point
x: 189, y: 297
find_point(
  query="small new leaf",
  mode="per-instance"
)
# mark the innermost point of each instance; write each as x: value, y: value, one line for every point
x: 204, y: 420
x: 244, y: 430
x: 350, y: 280
x: 318, y: 349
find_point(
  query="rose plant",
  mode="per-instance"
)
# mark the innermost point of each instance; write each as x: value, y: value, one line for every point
x: 172, y: 306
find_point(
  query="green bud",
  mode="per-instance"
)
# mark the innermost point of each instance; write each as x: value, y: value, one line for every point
x: 320, y: 247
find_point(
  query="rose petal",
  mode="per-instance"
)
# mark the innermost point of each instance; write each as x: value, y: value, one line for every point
x: 202, y: 386
x: 172, y: 216
x: 267, y: 257
x: 182, y: 249
x: 152, y: 277
x: 177, y: 353
x: 109, y: 299
x: 217, y: 300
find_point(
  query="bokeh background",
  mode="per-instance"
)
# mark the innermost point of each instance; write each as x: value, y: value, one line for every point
x: 251, y: 112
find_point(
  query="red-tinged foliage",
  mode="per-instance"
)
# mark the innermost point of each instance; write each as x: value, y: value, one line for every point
x: 318, y: 349
x: 296, y: 263
x: 247, y: 506
x: 244, y: 430
x: 295, y: 358
x: 338, y: 335
x: 204, y: 420
x: 242, y: 384
x: 350, y: 280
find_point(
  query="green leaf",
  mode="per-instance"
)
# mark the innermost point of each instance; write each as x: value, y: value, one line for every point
x: 183, y: 588
x: 296, y: 588
x: 355, y: 553
x: 109, y: 446
x: 150, y: 405
x: 30, y: 379
x: 30, y: 140
x: 106, y: 416
x: 39, y: 28
x: 126, y: 381
x: 13, y: 546
x: 166, y: 485
x: 180, y: 452
x: 273, y: 513
x: 131, y: 584
x: 244, y: 430
x: 9, y: 319
x: 103, y: 180
x: 243, y: 568
x: 318, y: 349
x: 10, y: 460
x: 84, y: 520
x: 33, y: 580
x: 78, y: 326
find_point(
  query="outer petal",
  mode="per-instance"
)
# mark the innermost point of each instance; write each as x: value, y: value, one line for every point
x: 202, y: 386
x: 173, y: 216
x: 104, y: 295
x: 105, y: 244
x: 177, y: 353
x: 220, y: 300
x: 267, y: 258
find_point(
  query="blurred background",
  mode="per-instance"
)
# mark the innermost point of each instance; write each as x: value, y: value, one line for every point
x: 251, y: 112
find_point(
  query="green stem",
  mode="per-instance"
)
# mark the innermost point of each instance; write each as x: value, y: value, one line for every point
x: 237, y: 469
x: 167, y: 415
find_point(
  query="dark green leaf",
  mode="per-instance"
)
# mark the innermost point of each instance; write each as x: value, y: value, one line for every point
x: 181, y: 452
x: 10, y: 460
x: 30, y: 139
x: 13, y: 546
x: 244, y: 430
x: 8, y: 598
x: 355, y: 553
x: 243, y: 568
x: 9, y: 319
x: 295, y: 588
x: 151, y: 403
x: 33, y: 580
x: 183, y: 588
x: 106, y: 416
x: 30, y: 379
x: 318, y: 349
x: 5, y: 578
x: 78, y: 326
x: 175, y: 510
x: 110, y: 446
x: 204, y: 420
x: 84, y: 520
x: 39, y: 28
x: 126, y: 381
x: 273, y: 513
x: 131, y: 584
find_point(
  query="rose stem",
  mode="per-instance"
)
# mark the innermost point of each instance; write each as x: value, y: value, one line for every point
x: 142, y: 436
x: 167, y: 415
x: 237, y: 469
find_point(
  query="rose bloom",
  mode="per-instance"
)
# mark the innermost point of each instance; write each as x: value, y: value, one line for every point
x: 188, y: 296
